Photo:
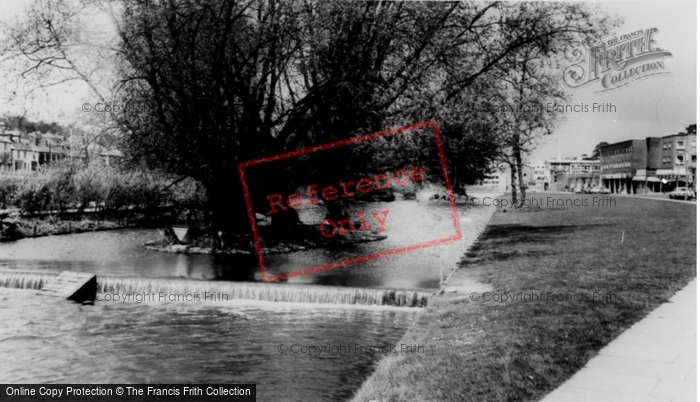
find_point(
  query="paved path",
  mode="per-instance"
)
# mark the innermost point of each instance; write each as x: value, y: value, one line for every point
x: 653, y: 361
x: 657, y: 197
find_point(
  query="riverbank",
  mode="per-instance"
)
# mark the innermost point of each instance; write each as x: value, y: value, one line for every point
x: 19, y: 228
x: 14, y: 225
x: 301, y: 237
x: 566, y: 280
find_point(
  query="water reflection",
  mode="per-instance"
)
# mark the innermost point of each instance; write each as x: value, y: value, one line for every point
x: 120, y: 252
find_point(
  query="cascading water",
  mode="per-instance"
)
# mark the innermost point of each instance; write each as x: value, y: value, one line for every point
x: 167, y: 289
x: 25, y: 280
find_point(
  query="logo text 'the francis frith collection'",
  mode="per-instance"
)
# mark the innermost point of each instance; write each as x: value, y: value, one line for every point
x: 617, y: 62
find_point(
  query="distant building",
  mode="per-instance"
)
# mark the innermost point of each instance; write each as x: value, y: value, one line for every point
x: 540, y: 176
x: 28, y: 151
x: 678, y: 160
x: 620, y: 163
x: 5, y: 154
x: 572, y: 174
x: 652, y: 165
x: 111, y: 157
x: 499, y: 178
x: 23, y: 157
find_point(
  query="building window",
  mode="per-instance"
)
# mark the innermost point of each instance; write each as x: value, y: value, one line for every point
x: 680, y: 144
x: 679, y: 159
x: 694, y: 158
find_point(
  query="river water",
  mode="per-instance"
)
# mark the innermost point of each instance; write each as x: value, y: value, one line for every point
x: 119, y: 252
x: 226, y: 342
x: 222, y: 341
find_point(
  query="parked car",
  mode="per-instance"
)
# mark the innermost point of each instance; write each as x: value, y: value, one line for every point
x: 599, y: 190
x: 579, y: 190
x: 680, y: 193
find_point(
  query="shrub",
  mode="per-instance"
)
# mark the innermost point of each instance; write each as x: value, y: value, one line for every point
x: 89, y: 189
x: 70, y: 184
x: 33, y: 194
x: 61, y: 188
x: 8, y: 191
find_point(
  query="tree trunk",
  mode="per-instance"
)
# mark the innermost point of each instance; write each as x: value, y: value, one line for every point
x: 516, y: 143
x: 229, y: 212
x: 283, y: 220
x: 338, y: 209
x: 226, y: 207
x: 519, y: 164
x: 514, y: 192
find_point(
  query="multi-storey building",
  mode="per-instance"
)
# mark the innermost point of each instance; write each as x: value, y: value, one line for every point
x: 678, y: 160
x: 5, y: 154
x: 26, y: 152
x: 23, y: 157
x: 645, y: 180
x: 572, y: 174
x: 540, y: 176
x: 655, y: 164
x: 499, y: 178
x: 620, y: 162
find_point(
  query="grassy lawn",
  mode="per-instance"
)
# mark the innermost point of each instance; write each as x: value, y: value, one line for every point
x: 521, y: 350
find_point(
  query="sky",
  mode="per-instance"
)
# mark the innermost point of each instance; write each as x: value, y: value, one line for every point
x: 654, y: 106
x: 650, y: 107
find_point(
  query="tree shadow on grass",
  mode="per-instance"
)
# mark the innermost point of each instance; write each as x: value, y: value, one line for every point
x: 501, y: 242
x: 517, y: 233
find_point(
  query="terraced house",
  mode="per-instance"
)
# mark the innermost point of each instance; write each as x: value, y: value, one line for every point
x: 25, y: 152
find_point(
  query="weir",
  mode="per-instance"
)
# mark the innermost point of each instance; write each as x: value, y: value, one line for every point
x: 232, y: 290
